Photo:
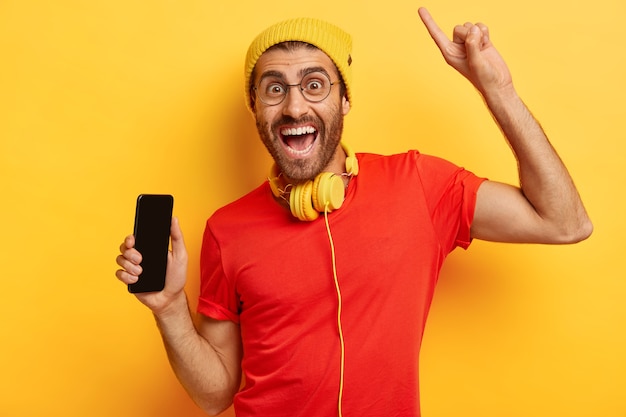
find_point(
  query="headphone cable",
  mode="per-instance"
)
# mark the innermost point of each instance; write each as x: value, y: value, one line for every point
x: 339, y: 305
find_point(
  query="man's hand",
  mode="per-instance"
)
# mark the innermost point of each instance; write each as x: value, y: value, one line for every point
x: 548, y: 209
x: 471, y: 53
x: 129, y: 260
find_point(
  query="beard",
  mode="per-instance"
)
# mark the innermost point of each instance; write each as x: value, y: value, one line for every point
x: 328, y: 137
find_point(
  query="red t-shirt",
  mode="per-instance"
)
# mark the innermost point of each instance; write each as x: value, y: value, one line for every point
x: 272, y: 274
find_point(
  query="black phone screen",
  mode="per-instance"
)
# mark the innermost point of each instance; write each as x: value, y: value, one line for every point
x: 153, y: 217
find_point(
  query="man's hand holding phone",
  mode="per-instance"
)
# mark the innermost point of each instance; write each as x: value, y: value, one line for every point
x: 166, y: 277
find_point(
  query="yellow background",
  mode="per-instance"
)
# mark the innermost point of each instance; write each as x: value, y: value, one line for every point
x: 103, y: 100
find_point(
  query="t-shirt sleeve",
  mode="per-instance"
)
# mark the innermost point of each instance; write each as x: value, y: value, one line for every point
x: 450, y: 192
x: 218, y: 298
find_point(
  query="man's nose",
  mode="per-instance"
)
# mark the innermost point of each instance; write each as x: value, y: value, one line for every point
x: 295, y: 105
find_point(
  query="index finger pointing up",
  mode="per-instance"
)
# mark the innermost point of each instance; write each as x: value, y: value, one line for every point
x: 434, y: 30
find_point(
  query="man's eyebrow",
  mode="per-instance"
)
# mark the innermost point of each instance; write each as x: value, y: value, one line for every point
x: 303, y: 72
x: 272, y: 73
x: 308, y: 70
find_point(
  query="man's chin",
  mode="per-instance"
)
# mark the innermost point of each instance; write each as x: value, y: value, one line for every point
x: 299, y: 170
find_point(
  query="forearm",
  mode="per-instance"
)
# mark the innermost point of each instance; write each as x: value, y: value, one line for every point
x: 196, y: 363
x: 544, y: 179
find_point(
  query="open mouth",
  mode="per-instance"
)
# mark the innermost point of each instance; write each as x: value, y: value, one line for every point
x: 299, y: 141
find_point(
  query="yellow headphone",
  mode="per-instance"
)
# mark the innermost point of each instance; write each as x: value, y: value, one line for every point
x: 325, y: 192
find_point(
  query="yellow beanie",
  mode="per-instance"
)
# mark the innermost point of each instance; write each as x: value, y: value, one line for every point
x: 332, y: 40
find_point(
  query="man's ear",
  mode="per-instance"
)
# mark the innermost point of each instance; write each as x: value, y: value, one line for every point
x: 345, y: 105
x: 253, y: 102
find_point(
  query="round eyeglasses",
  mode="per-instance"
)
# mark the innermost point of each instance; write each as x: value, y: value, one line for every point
x: 315, y: 87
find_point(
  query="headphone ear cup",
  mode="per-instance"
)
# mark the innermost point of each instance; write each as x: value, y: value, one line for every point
x: 352, y: 165
x: 300, y: 202
x: 328, y: 189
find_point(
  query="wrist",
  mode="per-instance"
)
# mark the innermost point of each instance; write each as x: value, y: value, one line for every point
x: 175, y: 323
x: 172, y: 306
x: 500, y: 96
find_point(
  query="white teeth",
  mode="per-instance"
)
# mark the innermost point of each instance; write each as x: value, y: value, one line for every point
x: 293, y: 131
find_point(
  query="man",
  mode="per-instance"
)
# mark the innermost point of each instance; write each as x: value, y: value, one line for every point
x: 316, y: 285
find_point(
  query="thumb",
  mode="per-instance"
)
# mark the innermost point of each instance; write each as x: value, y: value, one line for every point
x: 473, y: 43
x: 178, y: 242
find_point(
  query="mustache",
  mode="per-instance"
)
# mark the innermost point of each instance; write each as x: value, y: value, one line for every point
x: 288, y: 120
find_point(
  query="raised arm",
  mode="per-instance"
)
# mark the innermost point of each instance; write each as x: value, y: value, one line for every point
x: 546, y: 208
x: 206, y: 358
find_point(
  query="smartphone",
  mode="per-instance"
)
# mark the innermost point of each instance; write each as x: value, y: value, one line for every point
x: 153, y: 218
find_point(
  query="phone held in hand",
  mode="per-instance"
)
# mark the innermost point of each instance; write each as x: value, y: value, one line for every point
x: 153, y: 218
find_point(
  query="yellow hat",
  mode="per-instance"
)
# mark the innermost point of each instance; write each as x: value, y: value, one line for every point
x: 332, y: 40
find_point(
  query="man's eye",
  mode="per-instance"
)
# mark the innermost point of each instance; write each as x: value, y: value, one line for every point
x: 314, y: 85
x: 275, y: 89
